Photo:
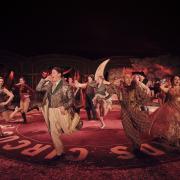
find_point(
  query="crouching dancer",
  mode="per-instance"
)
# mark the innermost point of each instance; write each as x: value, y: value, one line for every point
x: 57, y: 108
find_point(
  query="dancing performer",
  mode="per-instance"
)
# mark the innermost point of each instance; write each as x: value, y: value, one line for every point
x: 89, y: 95
x: 3, y: 101
x: 97, y: 97
x: 57, y: 108
x: 25, y: 92
x: 5, y: 98
x: 166, y: 119
x: 102, y: 100
x: 132, y: 94
x: 78, y: 95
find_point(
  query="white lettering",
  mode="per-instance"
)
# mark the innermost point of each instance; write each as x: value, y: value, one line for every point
x: 122, y: 152
x: 8, y: 139
x: 37, y: 149
x: 148, y: 149
x: 51, y: 154
x: 23, y: 143
x: 82, y: 154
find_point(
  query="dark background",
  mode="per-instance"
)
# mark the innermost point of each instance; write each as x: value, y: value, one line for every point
x: 92, y: 30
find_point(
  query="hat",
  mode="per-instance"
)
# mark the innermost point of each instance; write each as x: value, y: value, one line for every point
x: 139, y: 73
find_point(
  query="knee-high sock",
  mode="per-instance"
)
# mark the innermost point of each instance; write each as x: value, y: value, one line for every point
x: 24, y: 117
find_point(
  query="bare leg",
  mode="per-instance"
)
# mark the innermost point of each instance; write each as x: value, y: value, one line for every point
x: 14, y: 112
x: 102, y: 122
x: 24, y: 104
x: 98, y: 110
x: 106, y: 108
x: 21, y: 109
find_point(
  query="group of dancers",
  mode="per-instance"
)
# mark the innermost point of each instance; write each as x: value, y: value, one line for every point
x: 62, y: 103
x: 6, y: 97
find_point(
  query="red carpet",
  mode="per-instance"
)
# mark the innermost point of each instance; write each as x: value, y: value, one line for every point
x: 93, y: 146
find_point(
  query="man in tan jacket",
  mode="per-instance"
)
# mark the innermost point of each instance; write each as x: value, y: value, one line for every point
x: 57, y: 108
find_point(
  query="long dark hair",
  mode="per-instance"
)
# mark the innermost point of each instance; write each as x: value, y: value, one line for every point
x: 172, y: 79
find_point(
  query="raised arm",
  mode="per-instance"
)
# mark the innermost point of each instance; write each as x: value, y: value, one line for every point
x: 144, y: 88
x: 43, y: 85
x: 80, y: 85
x: 142, y: 92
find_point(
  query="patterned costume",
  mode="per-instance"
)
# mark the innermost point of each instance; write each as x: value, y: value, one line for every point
x: 135, y: 122
x: 166, y: 119
x: 57, y: 122
x: 102, y: 97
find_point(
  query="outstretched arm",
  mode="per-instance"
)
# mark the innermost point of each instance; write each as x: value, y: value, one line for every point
x: 80, y: 85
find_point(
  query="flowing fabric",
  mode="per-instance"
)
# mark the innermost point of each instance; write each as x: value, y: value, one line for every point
x: 103, y: 99
x: 141, y: 127
x: 135, y: 122
x: 166, y: 119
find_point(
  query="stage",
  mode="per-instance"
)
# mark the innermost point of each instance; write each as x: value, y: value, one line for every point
x: 92, y: 147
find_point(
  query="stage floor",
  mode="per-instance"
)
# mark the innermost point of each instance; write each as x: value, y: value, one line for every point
x: 92, y: 145
x: 94, y: 148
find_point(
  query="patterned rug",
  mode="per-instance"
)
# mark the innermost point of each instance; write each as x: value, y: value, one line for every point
x: 91, y: 146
